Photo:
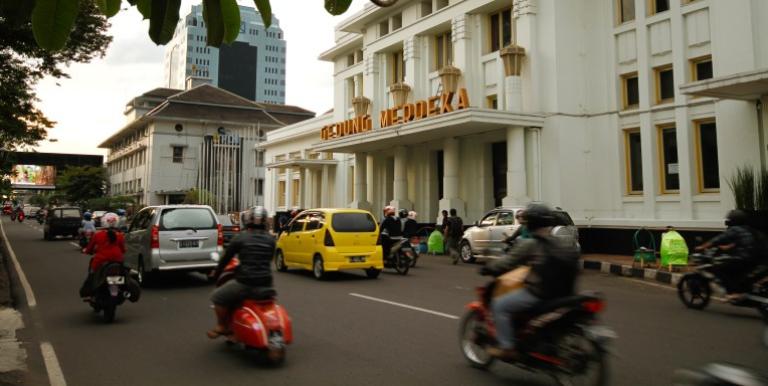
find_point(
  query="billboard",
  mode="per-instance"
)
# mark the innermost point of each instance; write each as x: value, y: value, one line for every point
x: 33, y: 176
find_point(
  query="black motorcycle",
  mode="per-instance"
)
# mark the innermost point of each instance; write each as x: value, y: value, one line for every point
x: 695, y: 288
x: 400, y: 257
x: 561, y: 338
x: 110, y: 286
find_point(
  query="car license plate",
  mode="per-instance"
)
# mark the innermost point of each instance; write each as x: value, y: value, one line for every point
x: 115, y: 280
x: 357, y: 259
x: 188, y: 244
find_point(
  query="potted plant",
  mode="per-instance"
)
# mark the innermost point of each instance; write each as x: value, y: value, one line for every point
x: 750, y: 191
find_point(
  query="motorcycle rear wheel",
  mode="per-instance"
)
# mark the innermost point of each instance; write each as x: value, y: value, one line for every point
x: 472, y: 340
x: 109, y: 313
x: 585, y: 362
x: 694, y: 291
x: 402, y: 264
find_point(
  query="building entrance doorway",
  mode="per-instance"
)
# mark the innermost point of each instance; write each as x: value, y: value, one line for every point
x: 499, y: 165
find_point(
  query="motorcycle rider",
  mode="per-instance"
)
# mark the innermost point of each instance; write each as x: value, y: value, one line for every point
x: 743, y: 243
x: 521, y: 231
x: 389, y: 230
x: 255, y: 248
x: 554, y: 267
x: 107, y: 245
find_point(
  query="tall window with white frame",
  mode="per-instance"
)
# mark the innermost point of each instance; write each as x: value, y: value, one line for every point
x: 443, y: 50
x: 178, y: 154
x: 630, y: 91
x: 634, y: 161
x: 670, y: 167
x: 665, y: 84
x: 500, y: 29
x: 706, y: 154
x: 397, y: 67
x: 625, y: 11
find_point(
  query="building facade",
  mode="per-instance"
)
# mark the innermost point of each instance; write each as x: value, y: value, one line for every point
x: 200, y: 139
x: 619, y: 111
x: 253, y: 66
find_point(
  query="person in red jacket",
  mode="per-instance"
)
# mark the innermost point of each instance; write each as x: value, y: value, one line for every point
x: 107, y: 245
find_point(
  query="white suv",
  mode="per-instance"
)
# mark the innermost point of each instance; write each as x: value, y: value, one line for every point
x: 486, y: 238
x: 173, y: 238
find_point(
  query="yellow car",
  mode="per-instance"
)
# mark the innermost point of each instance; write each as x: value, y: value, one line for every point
x: 324, y: 240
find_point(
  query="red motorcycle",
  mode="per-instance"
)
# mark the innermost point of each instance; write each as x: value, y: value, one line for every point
x: 17, y: 215
x: 258, y: 323
x: 560, y: 338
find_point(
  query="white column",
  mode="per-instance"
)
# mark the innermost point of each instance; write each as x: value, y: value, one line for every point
x: 325, y: 188
x: 450, y: 199
x: 369, y: 179
x: 400, y: 182
x: 517, y: 181
x: 289, y: 189
x: 361, y: 183
x: 302, y: 188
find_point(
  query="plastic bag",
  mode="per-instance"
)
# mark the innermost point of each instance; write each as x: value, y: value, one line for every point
x: 435, y: 242
x: 511, y: 281
x: 674, y: 251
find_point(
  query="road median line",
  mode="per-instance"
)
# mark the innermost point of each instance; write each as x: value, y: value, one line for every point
x: 449, y: 316
x: 31, y: 301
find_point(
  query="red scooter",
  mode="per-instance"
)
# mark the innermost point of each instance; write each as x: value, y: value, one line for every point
x: 258, y: 323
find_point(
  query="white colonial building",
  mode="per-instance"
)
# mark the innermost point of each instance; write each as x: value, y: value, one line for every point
x: 203, y: 138
x: 626, y: 113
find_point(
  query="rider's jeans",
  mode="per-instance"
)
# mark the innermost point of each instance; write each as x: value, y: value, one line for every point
x: 503, y: 309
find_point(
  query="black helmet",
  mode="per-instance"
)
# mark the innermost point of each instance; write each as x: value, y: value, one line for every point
x: 736, y: 217
x: 256, y: 217
x: 538, y: 216
x: 403, y: 213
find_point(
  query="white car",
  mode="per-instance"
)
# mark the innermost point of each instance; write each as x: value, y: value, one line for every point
x: 30, y: 211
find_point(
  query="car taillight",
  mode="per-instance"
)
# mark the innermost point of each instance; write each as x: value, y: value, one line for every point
x: 220, y: 239
x: 593, y: 306
x: 155, y: 244
x: 328, y: 240
x: 235, y: 228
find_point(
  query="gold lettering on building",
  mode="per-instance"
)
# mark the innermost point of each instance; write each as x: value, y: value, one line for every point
x: 410, y: 112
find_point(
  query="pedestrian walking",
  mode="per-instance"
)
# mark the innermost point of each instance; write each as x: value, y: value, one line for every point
x: 453, y: 231
x: 443, y: 221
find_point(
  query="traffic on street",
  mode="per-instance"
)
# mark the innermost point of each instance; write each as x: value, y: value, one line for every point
x: 347, y: 329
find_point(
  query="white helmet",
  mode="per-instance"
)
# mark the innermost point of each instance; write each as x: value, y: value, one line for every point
x: 256, y: 216
x: 109, y: 220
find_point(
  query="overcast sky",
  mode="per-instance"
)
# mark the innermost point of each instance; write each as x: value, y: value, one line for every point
x: 89, y: 106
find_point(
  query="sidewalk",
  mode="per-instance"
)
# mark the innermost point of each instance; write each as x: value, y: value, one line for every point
x: 625, y: 266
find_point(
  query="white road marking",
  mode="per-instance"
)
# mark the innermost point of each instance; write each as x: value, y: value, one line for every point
x: 55, y: 375
x: 449, y: 316
x: 668, y: 288
x: 31, y: 301
x: 74, y: 244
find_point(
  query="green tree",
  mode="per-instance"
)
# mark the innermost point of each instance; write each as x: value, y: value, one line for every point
x: 200, y: 197
x: 23, y: 63
x: 83, y: 183
x: 52, y: 20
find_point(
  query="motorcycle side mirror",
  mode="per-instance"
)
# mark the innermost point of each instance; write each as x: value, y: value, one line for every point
x: 215, y: 256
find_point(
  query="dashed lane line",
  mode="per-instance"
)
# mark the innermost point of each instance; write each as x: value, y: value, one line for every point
x: 449, y: 316
x: 31, y: 301
x: 55, y: 375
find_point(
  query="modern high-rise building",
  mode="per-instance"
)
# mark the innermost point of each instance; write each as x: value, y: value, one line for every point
x: 253, y: 66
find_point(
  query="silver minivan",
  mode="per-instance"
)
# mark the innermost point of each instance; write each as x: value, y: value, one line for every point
x: 173, y: 238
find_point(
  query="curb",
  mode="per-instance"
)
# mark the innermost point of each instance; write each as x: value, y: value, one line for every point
x: 647, y: 274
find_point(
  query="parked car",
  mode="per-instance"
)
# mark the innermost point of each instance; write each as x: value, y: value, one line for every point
x: 31, y: 211
x: 173, y: 238
x: 325, y: 240
x: 62, y: 221
x: 230, y: 225
x: 486, y: 238
x: 96, y: 216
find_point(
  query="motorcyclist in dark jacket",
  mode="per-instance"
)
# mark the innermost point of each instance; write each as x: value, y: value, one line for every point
x: 743, y: 243
x: 554, y: 267
x: 255, y: 249
x: 389, y: 229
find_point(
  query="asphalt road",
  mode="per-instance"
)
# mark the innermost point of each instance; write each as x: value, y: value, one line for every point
x: 342, y: 338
